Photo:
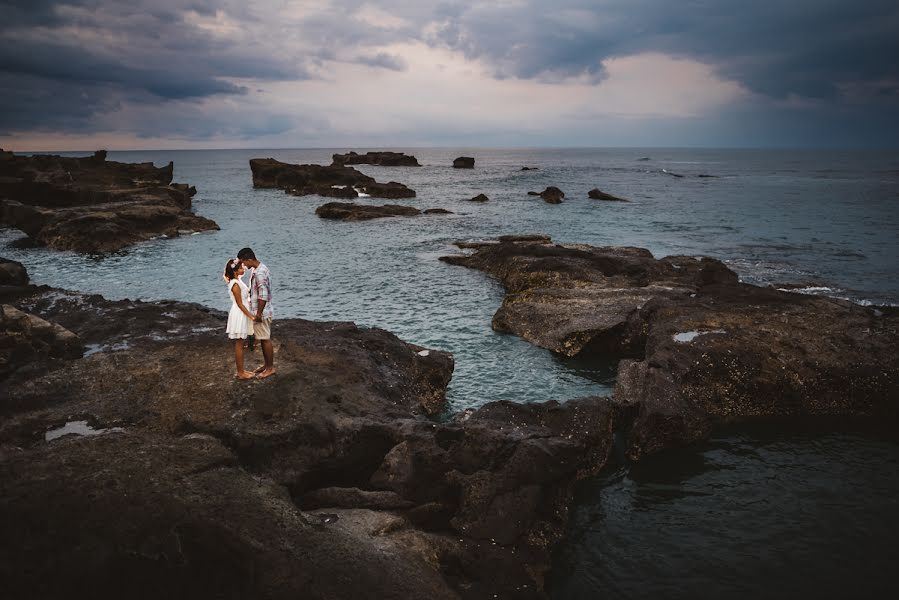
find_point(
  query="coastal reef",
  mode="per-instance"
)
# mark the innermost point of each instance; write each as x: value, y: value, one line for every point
x: 130, y: 467
x: 332, y: 181
x: 695, y: 345
x: 381, y: 159
x: 143, y: 470
x: 92, y: 205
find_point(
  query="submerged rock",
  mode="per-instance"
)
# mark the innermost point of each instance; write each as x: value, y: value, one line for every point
x: 383, y: 159
x: 348, y: 211
x: 93, y: 206
x: 597, y: 194
x: 438, y: 211
x: 463, y: 162
x: 336, y: 181
x: 479, y: 198
x: 551, y: 195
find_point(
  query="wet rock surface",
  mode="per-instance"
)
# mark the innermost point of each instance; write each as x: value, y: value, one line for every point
x: 551, y: 195
x: 697, y: 346
x: 382, y: 159
x: 463, y: 162
x: 194, y: 482
x: 92, y: 205
x: 333, y: 181
x: 348, y: 211
x: 597, y: 194
x: 479, y: 198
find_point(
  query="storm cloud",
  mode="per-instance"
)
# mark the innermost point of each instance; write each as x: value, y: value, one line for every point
x: 203, y: 69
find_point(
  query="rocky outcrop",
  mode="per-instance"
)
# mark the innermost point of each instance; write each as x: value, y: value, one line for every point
x: 335, y: 181
x: 381, y: 159
x: 348, y: 211
x: 438, y: 211
x: 479, y: 198
x: 697, y: 346
x: 551, y: 195
x: 463, y: 162
x: 529, y: 168
x: 201, y: 483
x: 597, y: 194
x: 12, y: 273
x: 91, y: 205
x: 28, y: 340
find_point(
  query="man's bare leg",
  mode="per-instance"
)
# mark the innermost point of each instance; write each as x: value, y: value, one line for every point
x: 268, y: 352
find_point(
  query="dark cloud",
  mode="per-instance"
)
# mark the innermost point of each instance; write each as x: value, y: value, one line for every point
x: 63, y: 65
x: 383, y: 60
x: 773, y: 47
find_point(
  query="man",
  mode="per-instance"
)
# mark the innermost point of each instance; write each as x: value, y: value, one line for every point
x: 261, y: 307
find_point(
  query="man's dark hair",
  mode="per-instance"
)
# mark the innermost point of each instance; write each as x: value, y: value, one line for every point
x: 245, y: 254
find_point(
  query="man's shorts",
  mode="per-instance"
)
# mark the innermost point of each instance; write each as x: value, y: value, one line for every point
x: 262, y: 330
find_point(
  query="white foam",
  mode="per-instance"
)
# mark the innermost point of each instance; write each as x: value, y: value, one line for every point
x: 77, y: 428
x: 689, y: 336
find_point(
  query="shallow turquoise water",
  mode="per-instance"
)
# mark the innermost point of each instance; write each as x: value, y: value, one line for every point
x: 828, y: 220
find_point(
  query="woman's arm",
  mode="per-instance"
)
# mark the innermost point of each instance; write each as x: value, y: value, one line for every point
x: 235, y: 291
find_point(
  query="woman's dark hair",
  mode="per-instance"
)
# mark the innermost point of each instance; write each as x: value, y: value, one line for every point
x: 231, y: 267
x: 246, y: 253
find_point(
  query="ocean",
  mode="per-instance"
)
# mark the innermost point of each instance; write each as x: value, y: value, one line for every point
x: 750, y: 513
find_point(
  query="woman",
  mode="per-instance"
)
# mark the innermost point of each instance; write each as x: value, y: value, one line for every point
x: 240, y: 319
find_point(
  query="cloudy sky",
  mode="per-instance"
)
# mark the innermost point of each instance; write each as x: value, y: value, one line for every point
x: 127, y: 74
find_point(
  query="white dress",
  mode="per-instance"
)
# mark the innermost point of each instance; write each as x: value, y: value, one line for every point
x: 239, y: 324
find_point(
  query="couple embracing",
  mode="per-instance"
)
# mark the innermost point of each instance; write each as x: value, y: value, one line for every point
x: 251, y: 311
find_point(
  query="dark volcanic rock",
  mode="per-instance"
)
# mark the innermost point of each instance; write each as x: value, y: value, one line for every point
x: 26, y: 339
x: 597, y: 194
x: 529, y: 168
x: 463, y: 162
x: 12, y: 273
x: 201, y: 482
x: 551, y: 195
x: 142, y: 515
x: 335, y: 181
x: 438, y: 211
x: 700, y: 347
x: 391, y: 189
x: 348, y: 211
x: 94, y: 206
x: 479, y: 198
x: 383, y: 159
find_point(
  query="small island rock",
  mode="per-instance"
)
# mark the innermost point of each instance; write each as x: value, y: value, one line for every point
x: 597, y: 194
x: 463, y: 162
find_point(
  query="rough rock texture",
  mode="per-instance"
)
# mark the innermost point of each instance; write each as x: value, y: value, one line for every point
x: 383, y: 159
x: 437, y: 211
x: 91, y: 205
x: 479, y: 198
x: 348, y: 211
x: 699, y: 346
x: 200, y: 485
x: 463, y: 162
x: 597, y: 194
x: 28, y: 340
x: 334, y: 181
x: 551, y: 195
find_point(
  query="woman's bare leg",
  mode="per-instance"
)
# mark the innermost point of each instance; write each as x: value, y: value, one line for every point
x: 238, y: 360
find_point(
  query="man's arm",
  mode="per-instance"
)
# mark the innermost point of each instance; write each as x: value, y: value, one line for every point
x: 260, y: 306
